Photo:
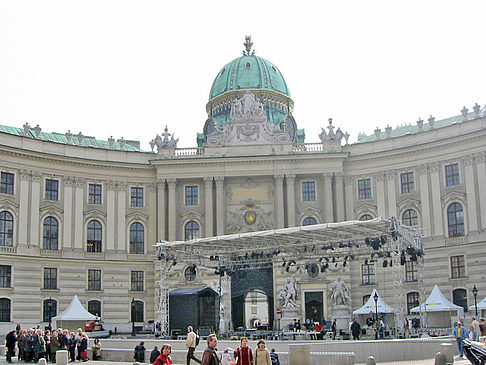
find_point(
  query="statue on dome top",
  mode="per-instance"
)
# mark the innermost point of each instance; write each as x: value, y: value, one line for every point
x: 164, y: 143
x: 248, y: 45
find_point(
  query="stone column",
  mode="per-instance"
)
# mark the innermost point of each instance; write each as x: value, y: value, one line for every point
x: 290, y: 178
x: 68, y: 212
x: 110, y: 215
x: 161, y: 211
x: 391, y: 193
x: 121, y: 242
x: 172, y: 209
x: 24, y: 194
x: 472, y: 207
x: 279, y: 208
x: 339, y: 196
x: 380, y: 194
x: 423, y: 171
x: 481, y: 173
x: 78, y: 214
x: 349, y: 197
x: 35, y: 190
x: 150, y: 201
x: 208, y: 207
x: 328, y: 206
x: 437, y: 226
x: 220, y: 215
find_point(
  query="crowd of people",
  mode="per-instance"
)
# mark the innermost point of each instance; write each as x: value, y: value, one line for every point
x: 32, y: 344
x: 476, y: 329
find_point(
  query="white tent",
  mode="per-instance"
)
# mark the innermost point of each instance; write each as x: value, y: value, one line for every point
x: 437, y: 309
x: 74, y: 315
x: 370, y: 306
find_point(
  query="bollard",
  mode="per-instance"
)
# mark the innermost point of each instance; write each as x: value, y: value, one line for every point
x: 370, y: 360
x: 447, y: 351
x: 42, y: 361
x: 61, y: 357
x: 440, y: 359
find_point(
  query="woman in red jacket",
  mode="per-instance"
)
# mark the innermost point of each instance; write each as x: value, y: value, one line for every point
x: 243, y: 353
x: 164, y: 358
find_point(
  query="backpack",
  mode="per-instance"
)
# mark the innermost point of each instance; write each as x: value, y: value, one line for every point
x: 197, y: 340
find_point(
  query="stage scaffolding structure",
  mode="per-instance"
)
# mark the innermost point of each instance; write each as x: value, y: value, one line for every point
x: 294, y: 246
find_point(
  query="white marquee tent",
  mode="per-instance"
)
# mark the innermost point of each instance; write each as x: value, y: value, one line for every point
x: 437, y: 309
x: 370, y: 306
x: 74, y: 316
x: 481, y: 306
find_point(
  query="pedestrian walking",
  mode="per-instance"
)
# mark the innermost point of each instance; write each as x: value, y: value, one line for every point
x: 262, y: 356
x: 460, y: 334
x: 139, y: 354
x: 210, y: 357
x: 191, y: 344
x: 243, y: 354
x: 164, y: 357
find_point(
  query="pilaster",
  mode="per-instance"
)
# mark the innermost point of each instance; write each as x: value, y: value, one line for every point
x: 110, y: 215
x: 80, y: 186
x: 481, y: 173
x: 380, y: 194
x: 24, y: 194
x: 349, y: 197
x: 391, y: 193
x: 67, y: 240
x: 121, y: 241
x: 161, y: 211
x: 472, y: 208
x: 172, y: 182
x: 220, y: 230
x: 328, y: 206
x: 34, y: 208
x: 339, y: 196
x: 208, y: 206
x: 279, y: 209
x: 290, y: 179
x: 423, y: 171
x: 437, y: 226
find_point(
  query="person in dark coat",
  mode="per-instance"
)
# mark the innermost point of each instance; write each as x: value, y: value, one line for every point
x: 10, y: 341
x: 72, y: 347
x: 355, y: 329
x: 154, y: 354
x: 139, y: 352
x: 83, y: 348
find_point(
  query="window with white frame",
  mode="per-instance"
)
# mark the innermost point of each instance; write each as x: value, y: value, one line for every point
x: 452, y: 174
x: 364, y: 188
x: 407, y: 182
x: 94, y: 194
x: 7, y: 183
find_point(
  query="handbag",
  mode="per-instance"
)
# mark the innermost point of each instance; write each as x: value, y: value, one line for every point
x: 84, y: 353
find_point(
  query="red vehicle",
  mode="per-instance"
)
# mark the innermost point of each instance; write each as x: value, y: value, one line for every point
x: 94, y: 329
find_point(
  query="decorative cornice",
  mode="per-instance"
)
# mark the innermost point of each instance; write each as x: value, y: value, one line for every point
x: 171, y: 182
x: 111, y: 185
x: 80, y: 182
x: 480, y: 157
x: 278, y: 178
x: 36, y: 176
x: 390, y: 174
x: 68, y: 180
x: 423, y: 169
x: 219, y: 180
x: 290, y: 178
x: 434, y: 167
x: 468, y: 160
x: 379, y: 176
x: 24, y: 175
x: 121, y: 185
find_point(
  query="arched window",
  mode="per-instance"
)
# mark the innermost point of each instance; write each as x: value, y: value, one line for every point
x: 309, y: 221
x: 410, y: 218
x: 366, y: 217
x: 6, y: 229
x: 50, y: 310
x: 191, y: 230
x: 190, y: 273
x: 50, y: 234
x: 94, y: 307
x: 459, y: 297
x: 94, y: 236
x: 136, y: 238
x: 137, y: 311
x: 365, y: 298
x: 412, y: 300
x: 5, y: 310
x: 455, y: 220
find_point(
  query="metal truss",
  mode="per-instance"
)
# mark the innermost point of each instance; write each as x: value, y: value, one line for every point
x: 324, y: 243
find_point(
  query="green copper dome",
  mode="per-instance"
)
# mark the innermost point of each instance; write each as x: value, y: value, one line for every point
x: 249, y: 72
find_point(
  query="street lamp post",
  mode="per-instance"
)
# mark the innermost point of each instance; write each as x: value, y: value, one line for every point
x: 475, y: 293
x: 375, y: 298
x: 132, y: 307
x: 50, y: 314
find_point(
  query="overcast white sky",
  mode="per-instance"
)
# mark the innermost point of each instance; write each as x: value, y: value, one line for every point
x: 128, y: 68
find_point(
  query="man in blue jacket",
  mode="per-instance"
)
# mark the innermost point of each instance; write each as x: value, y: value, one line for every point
x: 460, y: 334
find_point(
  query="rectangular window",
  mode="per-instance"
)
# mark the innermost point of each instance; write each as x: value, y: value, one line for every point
x: 411, y: 271
x: 364, y: 188
x: 412, y: 301
x: 5, y: 276
x: 94, y: 194
x: 50, y: 278
x: 458, y: 267
x: 406, y: 180
x: 7, y: 183
x: 94, y: 279
x: 368, y: 274
x: 191, y: 195
x: 136, y: 197
x: 136, y: 281
x: 452, y: 174
x: 52, y: 189
x: 308, y: 191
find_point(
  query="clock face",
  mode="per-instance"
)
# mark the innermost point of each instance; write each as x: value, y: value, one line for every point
x: 250, y: 217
